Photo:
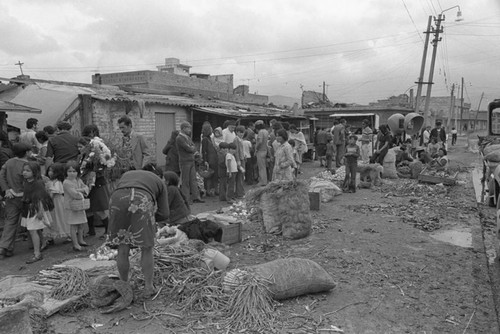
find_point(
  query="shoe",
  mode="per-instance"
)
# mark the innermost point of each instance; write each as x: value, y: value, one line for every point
x: 8, y: 253
x: 35, y: 259
x: 67, y: 241
x: 198, y: 201
x: 50, y: 242
x: 44, y: 247
x: 77, y: 249
x: 84, y: 244
x: 102, y: 237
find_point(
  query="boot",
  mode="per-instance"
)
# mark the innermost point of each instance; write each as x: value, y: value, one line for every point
x: 90, y: 223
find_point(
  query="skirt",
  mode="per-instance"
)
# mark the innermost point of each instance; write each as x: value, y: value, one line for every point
x: 132, y: 218
x: 99, y: 198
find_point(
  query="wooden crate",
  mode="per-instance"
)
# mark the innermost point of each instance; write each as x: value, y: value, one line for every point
x: 231, y: 232
x: 422, y: 177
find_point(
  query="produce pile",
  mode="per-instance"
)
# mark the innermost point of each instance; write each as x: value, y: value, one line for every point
x: 410, y: 187
x: 185, y: 280
x: 103, y: 253
x: 239, y: 210
x: 339, y: 175
x: 433, y: 172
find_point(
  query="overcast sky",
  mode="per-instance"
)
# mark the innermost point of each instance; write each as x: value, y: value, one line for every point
x: 364, y: 50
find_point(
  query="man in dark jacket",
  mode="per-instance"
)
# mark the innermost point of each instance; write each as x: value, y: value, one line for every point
x: 63, y: 147
x: 439, y: 133
x: 186, y: 150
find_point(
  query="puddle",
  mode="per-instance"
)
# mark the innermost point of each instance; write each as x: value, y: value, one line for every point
x: 462, y: 237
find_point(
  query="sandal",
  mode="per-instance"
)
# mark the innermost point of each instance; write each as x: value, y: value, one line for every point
x: 44, y: 247
x: 35, y: 259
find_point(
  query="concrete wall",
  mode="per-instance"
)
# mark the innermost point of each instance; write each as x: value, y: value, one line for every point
x: 168, y: 81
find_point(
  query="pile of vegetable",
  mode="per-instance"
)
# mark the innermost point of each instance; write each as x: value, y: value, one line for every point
x: 104, y: 253
x: 238, y: 210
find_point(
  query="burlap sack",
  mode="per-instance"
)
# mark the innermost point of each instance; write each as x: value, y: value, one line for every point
x: 293, y: 277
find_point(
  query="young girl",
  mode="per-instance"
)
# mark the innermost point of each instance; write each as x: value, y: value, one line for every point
x: 59, y: 228
x: 36, y: 206
x: 75, y: 189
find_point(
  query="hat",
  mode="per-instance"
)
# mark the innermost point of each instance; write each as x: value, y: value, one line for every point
x: 223, y: 145
x: 259, y: 122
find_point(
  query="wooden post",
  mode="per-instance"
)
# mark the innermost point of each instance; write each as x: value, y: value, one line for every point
x: 86, y: 110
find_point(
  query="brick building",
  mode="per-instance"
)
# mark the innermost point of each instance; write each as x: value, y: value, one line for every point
x: 175, y: 78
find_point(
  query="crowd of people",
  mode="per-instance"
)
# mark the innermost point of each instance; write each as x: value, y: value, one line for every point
x: 339, y: 146
x: 233, y: 155
x: 54, y: 183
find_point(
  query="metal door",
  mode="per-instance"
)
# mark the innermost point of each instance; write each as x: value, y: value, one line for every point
x: 164, y: 125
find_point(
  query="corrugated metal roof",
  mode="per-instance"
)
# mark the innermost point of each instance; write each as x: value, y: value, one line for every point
x: 170, y: 100
x: 246, y: 113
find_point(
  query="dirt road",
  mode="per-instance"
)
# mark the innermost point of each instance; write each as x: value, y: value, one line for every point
x: 383, y: 246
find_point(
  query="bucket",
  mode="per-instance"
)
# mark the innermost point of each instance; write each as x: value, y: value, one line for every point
x: 215, y: 259
x: 314, y: 199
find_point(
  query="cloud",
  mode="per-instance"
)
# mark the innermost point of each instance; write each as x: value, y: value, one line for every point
x: 19, y: 38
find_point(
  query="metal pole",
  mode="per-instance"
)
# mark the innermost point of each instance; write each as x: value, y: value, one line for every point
x: 422, y: 66
x: 462, y: 107
x: 427, y: 114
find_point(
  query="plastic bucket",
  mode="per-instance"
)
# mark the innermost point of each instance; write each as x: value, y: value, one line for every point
x: 215, y: 259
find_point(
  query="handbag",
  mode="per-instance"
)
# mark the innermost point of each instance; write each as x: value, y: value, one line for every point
x: 79, y: 204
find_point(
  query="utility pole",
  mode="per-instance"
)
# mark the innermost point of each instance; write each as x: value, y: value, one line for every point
x: 455, y: 115
x: 452, y: 107
x: 477, y: 112
x: 324, y: 96
x: 437, y: 31
x: 462, y: 106
x: 422, y: 66
x: 20, y: 66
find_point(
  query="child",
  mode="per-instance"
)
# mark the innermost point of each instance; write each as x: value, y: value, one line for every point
x: 36, y: 206
x: 59, y: 228
x: 232, y: 171
x: 351, y: 163
x: 75, y: 190
x: 222, y: 170
x: 177, y: 203
x: 330, y: 153
x: 11, y: 181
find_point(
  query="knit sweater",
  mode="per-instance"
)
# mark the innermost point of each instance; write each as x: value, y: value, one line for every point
x: 11, y: 175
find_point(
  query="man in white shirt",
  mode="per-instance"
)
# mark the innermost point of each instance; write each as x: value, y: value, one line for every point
x: 28, y: 137
x: 228, y: 133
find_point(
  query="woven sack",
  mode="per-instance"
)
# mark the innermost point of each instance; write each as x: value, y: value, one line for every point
x: 294, y: 214
x: 270, y: 214
x: 293, y: 277
x: 79, y: 204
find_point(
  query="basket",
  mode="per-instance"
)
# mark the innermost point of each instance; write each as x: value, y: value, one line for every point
x: 79, y: 204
